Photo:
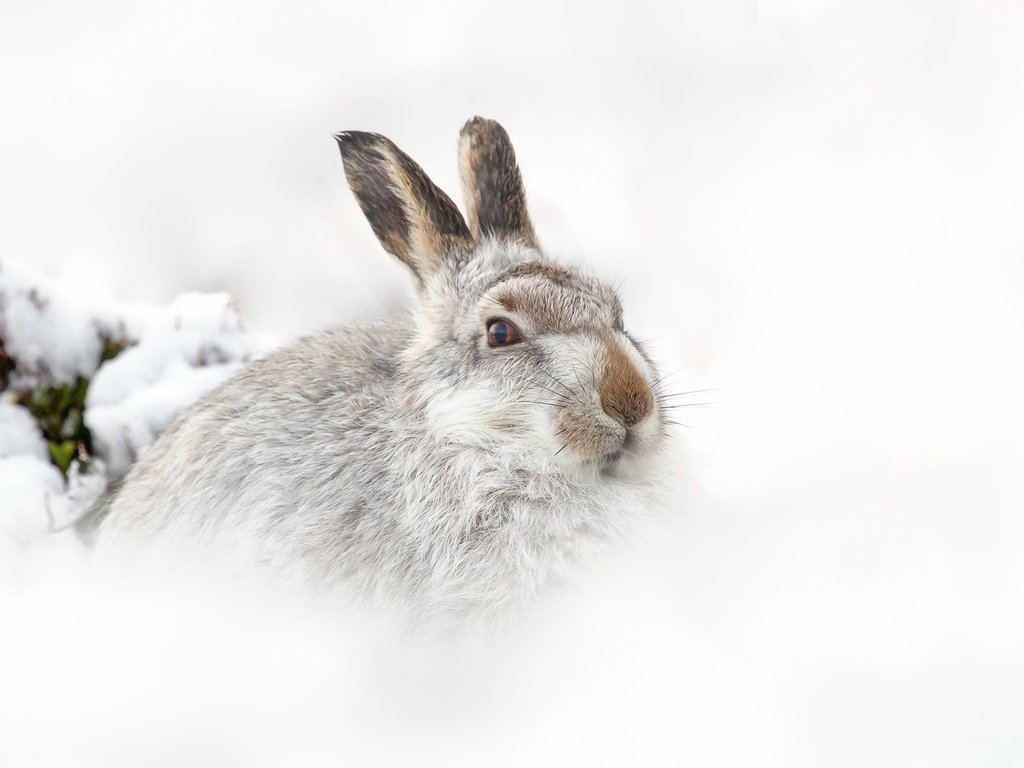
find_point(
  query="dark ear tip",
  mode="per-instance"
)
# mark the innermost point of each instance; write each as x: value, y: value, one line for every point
x: 480, y: 126
x: 352, y: 141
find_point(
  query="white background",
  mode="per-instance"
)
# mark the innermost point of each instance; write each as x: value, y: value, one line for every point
x: 813, y: 207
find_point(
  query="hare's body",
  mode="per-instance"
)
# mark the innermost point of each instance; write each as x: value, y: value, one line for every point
x: 399, y: 513
x: 432, y: 464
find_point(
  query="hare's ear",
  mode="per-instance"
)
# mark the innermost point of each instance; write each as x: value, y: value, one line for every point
x: 492, y: 184
x: 412, y: 218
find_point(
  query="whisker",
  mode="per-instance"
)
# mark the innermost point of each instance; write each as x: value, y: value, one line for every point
x: 566, y: 398
x: 673, y: 372
x: 564, y: 446
x: 573, y: 395
x: 688, y: 392
x: 677, y: 423
x: 592, y: 372
x: 577, y: 375
x: 554, y: 378
x: 549, y: 389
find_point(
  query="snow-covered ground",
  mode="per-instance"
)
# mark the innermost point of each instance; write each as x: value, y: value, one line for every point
x: 814, y: 208
x: 173, y: 355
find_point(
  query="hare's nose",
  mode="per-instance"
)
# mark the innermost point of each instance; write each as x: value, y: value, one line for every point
x: 625, y: 395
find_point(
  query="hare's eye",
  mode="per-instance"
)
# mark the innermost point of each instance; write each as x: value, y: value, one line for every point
x: 501, y: 333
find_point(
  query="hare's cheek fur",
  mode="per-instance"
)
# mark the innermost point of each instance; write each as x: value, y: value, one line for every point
x: 484, y: 415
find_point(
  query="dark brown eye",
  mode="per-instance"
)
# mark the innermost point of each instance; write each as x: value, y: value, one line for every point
x: 501, y: 333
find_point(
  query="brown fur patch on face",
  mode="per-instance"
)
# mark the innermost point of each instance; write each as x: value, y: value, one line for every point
x: 552, y: 299
x: 508, y: 301
x: 557, y: 275
x: 492, y: 185
x: 625, y: 395
x: 411, y: 217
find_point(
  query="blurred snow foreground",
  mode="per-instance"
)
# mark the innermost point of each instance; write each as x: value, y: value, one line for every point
x: 162, y: 359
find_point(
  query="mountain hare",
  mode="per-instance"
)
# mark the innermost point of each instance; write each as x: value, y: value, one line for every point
x: 443, y: 464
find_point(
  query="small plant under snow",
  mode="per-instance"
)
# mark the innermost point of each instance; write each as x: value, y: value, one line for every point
x: 86, y: 388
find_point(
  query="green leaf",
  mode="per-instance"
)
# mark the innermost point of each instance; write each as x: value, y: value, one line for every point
x: 62, y: 454
x: 59, y: 411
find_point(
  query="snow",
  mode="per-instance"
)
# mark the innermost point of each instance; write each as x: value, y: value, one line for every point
x: 177, y: 353
x: 19, y: 433
x: 184, y: 350
x: 30, y: 487
x: 817, y: 209
x: 36, y: 497
x: 49, y: 335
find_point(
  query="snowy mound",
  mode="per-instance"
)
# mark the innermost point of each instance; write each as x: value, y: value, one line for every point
x: 137, y: 367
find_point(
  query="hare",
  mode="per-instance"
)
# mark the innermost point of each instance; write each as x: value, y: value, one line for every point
x: 446, y: 463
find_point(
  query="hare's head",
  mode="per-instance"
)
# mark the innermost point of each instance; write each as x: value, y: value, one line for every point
x: 506, y: 348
